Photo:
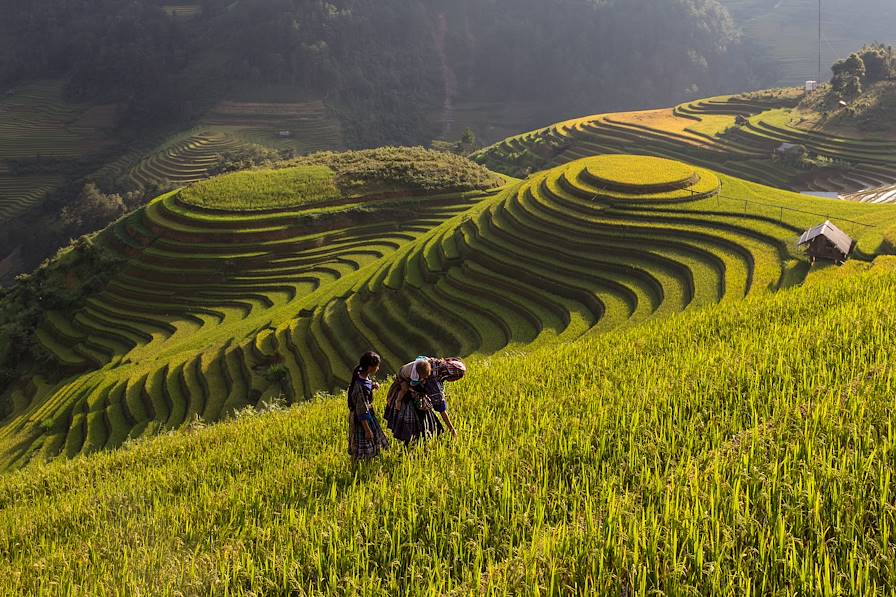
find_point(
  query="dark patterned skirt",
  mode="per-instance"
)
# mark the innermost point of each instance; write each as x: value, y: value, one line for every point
x: 410, y: 424
x: 361, y: 448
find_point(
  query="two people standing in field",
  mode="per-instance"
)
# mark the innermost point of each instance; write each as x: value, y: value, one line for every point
x: 416, y: 396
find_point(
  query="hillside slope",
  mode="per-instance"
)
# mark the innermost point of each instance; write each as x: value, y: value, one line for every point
x: 736, y: 135
x: 743, y: 449
x: 43, y: 137
x: 206, y: 310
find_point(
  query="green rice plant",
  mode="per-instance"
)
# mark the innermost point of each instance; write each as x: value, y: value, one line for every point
x: 119, y: 425
x: 295, y: 339
x: 194, y: 388
x: 74, y: 440
x: 264, y: 189
x: 133, y: 397
x: 647, y: 174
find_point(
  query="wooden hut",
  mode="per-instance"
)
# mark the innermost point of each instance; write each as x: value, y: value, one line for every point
x: 790, y: 151
x: 827, y: 242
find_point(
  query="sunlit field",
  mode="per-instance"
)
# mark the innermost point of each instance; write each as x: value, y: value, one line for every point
x: 743, y: 449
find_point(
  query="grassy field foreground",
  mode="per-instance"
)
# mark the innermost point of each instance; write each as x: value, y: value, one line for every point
x: 746, y: 448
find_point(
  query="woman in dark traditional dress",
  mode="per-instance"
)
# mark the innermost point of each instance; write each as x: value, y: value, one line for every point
x: 417, y: 394
x: 365, y: 436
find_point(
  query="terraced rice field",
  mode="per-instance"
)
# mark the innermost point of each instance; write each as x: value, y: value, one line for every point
x: 183, y: 161
x: 189, y: 157
x: 182, y: 10
x: 311, y: 125
x: 36, y: 121
x: 212, y: 301
x: 18, y: 194
x: 200, y: 277
x: 885, y: 194
x: 745, y: 449
x: 706, y: 133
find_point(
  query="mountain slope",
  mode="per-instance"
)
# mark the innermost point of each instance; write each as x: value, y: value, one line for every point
x: 786, y: 31
x: 741, y: 449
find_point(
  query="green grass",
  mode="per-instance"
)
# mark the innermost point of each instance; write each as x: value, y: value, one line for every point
x: 742, y: 449
x: 264, y: 189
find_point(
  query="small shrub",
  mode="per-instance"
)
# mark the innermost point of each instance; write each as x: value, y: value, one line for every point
x: 403, y: 168
x: 276, y: 374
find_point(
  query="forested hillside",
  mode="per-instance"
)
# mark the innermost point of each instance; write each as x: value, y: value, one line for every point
x: 382, y: 62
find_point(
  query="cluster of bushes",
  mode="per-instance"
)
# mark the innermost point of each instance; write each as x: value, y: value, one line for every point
x: 77, y: 271
x: 246, y: 156
x: 412, y: 168
x: 870, y: 65
x: 94, y: 209
x: 805, y: 159
x: 379, y: 63
x: 374, y: 170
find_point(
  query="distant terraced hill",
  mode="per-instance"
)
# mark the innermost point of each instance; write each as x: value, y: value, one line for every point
x: 308, y: 126
x: 736, y: 135
x: 190, y: 156
x: 183, y: 161
x: 37, y: 122
x: 211, y: 309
